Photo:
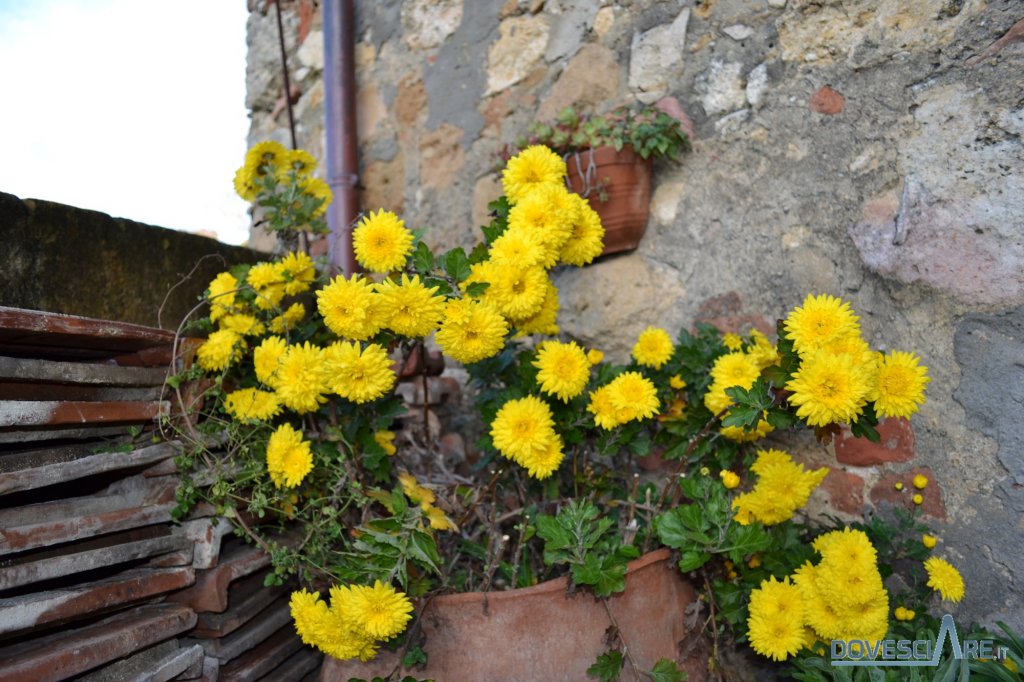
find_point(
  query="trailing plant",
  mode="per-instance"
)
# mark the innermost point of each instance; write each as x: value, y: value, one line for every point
x: 298, y: 437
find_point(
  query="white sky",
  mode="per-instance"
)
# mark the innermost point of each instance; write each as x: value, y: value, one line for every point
x: 131, y: 107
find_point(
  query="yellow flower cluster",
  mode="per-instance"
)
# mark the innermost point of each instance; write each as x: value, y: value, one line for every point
x: 271, y: 158
x: 782, y: 487
x: 524, y: 431
x: 841, y: 597
x: 357, y: 308
x: 358, y: 618
x: 839, y: 373
x: 288, y: 457
x: 629, y: 396
x: 740, y: 368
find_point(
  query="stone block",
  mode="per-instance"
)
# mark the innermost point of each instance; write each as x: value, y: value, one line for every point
x: 655, y: 56
x: 517, y: 51
x: 845, y: 491
x: 591, y: 78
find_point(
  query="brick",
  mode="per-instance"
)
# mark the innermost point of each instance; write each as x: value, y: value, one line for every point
x: 246, y: 598
x: 827, y: 101
x: 896, y: 445
x: 932, y: 505
x: 210, y: 593
x: 845, y: 491
x: 266, y: 623
x: 263, y: 658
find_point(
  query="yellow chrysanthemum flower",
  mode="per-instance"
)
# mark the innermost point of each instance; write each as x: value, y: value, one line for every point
x: 359, y: 375
x: 309, y: 612
x: 945, y: 579
x: 653, y: 348
x: 542, y: 463
x: 252, y: 403
x: 829, y: 389
x: 222, y: 295
x: 735, y: 369
x: 381, y: 242
x: 899, y: 385
x: 634, y: 396
x: 298, y: 272
x: 676, y: 382
x: 471, y: 331
x: 318, y: 189
x: 563, y: 369
x: 246, y: 325
x: 266, y: 359
x: 729, y: 479
x: 547, y: 213
x: 350, y: 307
x: 821, y: 320
x: 289, y: 319
x: 586, y: 239
x: 531, y: 168
x: 732, y: 341
x: 517, y: 292
x: 782, y: 487
x: 386, y: 439
x: 289, y: 458
x: 545, y: 321
x: 266, y: 280
x: 262, y: 158
x: 606, y: 415
x: 298, y: 160
x: 517, y: 247
x: 776, y: 622
x: 762, y: 352
x: 301, y: 378
x: 522, y: 427
x: 380, y: 611
x: 222, y: 348
x: 409, y: 308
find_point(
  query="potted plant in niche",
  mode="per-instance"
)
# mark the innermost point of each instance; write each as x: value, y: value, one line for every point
x: 609, y: 158
x: 299, y: 434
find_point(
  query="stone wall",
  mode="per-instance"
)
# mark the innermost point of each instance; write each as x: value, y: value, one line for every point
x: 63, y: 259
x: 866, y: 148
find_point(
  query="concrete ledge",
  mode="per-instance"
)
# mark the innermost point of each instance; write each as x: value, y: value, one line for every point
x: 70, y: 260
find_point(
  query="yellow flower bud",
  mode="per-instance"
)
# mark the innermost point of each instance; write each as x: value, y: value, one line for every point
x: 899, y: 612
x: 918, y: 499
x: 928, y: 540
x: 754, y: 561
x: 594, y: 356
x: 898, y: 486
x: 704, y: 471
x: 677, y: 382
x: 729, y: 479
x: 920, y: 482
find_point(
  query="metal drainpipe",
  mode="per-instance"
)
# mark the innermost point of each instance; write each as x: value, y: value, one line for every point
x: 340, y: 122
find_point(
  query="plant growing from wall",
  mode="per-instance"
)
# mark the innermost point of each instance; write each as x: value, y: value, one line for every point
x: 297, y: 443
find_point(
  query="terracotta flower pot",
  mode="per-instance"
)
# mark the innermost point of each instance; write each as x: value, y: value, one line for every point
x: 541, y: 633
x: 626, y: 180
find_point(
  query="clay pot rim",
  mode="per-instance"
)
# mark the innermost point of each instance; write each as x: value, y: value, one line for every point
x: 605, y: 155
x: 547, y: 587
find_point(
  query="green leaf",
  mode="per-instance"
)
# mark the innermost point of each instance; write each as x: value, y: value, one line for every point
x: 477, y: 288
x: 422, y: 259
x: 691, y: 560
x: 606, y: 574
x: 742, y: 541
x: 413, y: 657
x: 479, y: 254
x: 666, y: 670
x: 683, y: 527
x: 607, y: 667
x: 456, y: 264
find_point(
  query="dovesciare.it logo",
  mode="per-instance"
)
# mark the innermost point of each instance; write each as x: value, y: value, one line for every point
x: 913, y: 653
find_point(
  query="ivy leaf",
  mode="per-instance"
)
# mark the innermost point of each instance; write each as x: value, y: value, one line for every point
x: 666, y: 670
x: 422, y: 258
x: 606, y: 574
x: 456, y: 264
x: 607, y: 667
x: 413, y: 657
